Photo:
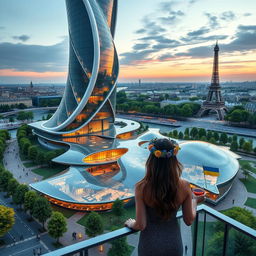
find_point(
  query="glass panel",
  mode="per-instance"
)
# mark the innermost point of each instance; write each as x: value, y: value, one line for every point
x: 214, y: 237
x: 187, y: 237
x: 239, y: 244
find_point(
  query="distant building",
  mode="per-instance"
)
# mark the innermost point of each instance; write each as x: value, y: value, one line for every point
x: 177, y: 102
x: 37, y: 100
x: 251, y: 107
x: 25, y: 101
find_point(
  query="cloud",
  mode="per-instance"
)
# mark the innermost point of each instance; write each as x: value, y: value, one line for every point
x: 135, y: 57
x: 140, y: 46
x: 212, y: 20
x: 228, y: 16
x: 141, y: 31
x: 198, y: 32
x: 160, y: 39
x: 22, y: 38
x: 165, y: 57
x: 243, y: 41
x: 247, y: 14
x: 166, y: 5
x: 200, y: 39
x: 172, y: 18
x: 197, y: 52
x: 35, y: 58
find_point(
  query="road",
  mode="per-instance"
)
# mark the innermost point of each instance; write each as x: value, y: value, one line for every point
x: 21, y: 240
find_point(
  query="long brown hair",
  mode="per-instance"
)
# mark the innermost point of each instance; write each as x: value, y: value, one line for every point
x: 160, y: 183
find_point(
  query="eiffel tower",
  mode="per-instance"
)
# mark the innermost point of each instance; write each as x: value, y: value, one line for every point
x: 214, y: 100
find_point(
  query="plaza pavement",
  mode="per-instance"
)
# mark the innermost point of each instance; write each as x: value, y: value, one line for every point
x: 13, y: 163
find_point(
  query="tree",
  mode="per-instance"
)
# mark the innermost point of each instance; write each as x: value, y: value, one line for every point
x: 216, y: 136
x: 209, y: 135
x: 241, y: 142
x: 57, y: 225
x: 49, y: 115
x: 32, y: 152
x: 241, y: 245
x: 203, y: 138
x: 18, y: 197
x: 5, y: 176
x: 186, y: 110
x: 7, y: 219
x: 180, y: 136
x: 224, y: 138
x: 212, y: 140
x: 247, y: 146
x: 234, y: 137
x: 40, y: 158
x: 42, y: 209
x: 49, y: 156
x: 186, y: 132
x: 12, y: 186
x: 201, y: 132
x: 234, y: 145
x: 186, y: 137
x: 29, y: 200
x: 11, y: 119
x: 25, y: 146
x: 119, y: 247
x: 93, y: 224
x: 246, y: 173
x: 175, y: 133
x: 194, y: 132
x: 118, y: 207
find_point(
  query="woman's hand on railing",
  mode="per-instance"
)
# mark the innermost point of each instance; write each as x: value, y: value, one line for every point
x: 130, y: 223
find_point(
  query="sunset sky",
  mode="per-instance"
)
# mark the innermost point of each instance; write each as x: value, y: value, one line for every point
x: 156, y: 40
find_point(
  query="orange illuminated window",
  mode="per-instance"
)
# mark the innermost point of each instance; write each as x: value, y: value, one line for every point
x: 105, y: 156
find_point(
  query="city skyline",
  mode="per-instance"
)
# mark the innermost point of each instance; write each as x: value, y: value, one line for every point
x: 164, y: 41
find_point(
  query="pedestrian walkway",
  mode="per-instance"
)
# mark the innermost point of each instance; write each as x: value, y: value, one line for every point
x: 72, y: 227
x: 13, y: 163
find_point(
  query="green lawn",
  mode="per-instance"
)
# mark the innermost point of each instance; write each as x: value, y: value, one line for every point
x: 250, y: 184
x: 247, y: 165
x: 110, y: 220
x: 251, y: 202
x: 29, y: 164
x: 66, y: 212
x: 47, y: 172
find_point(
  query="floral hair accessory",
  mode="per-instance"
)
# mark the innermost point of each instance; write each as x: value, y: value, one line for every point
x: 163, y: 153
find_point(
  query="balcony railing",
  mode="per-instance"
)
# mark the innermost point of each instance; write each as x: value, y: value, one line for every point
x: 213, y: 233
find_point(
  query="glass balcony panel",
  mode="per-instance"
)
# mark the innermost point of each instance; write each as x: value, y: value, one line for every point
x: 240, y: 244
x: 213, y: 238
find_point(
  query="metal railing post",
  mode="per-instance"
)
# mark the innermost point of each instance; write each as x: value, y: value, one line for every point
x: 204, y: 233
x: 225, y: 242
x: 195, y: 235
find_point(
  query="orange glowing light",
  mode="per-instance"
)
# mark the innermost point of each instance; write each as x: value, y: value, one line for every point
x: 105, y: 156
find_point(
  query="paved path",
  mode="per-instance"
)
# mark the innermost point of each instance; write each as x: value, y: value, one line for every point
x: 13, y: 163
x: 73, y: 226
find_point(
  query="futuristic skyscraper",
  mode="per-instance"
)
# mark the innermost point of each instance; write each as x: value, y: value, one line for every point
x: 88, y: 103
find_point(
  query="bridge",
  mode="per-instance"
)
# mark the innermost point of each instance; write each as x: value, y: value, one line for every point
x: 16, y: 111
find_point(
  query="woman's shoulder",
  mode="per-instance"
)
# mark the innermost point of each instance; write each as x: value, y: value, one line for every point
x: 184, y: 185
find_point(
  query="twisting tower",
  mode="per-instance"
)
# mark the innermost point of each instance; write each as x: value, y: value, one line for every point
x: 88, y: 103
x: 214, y: 100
